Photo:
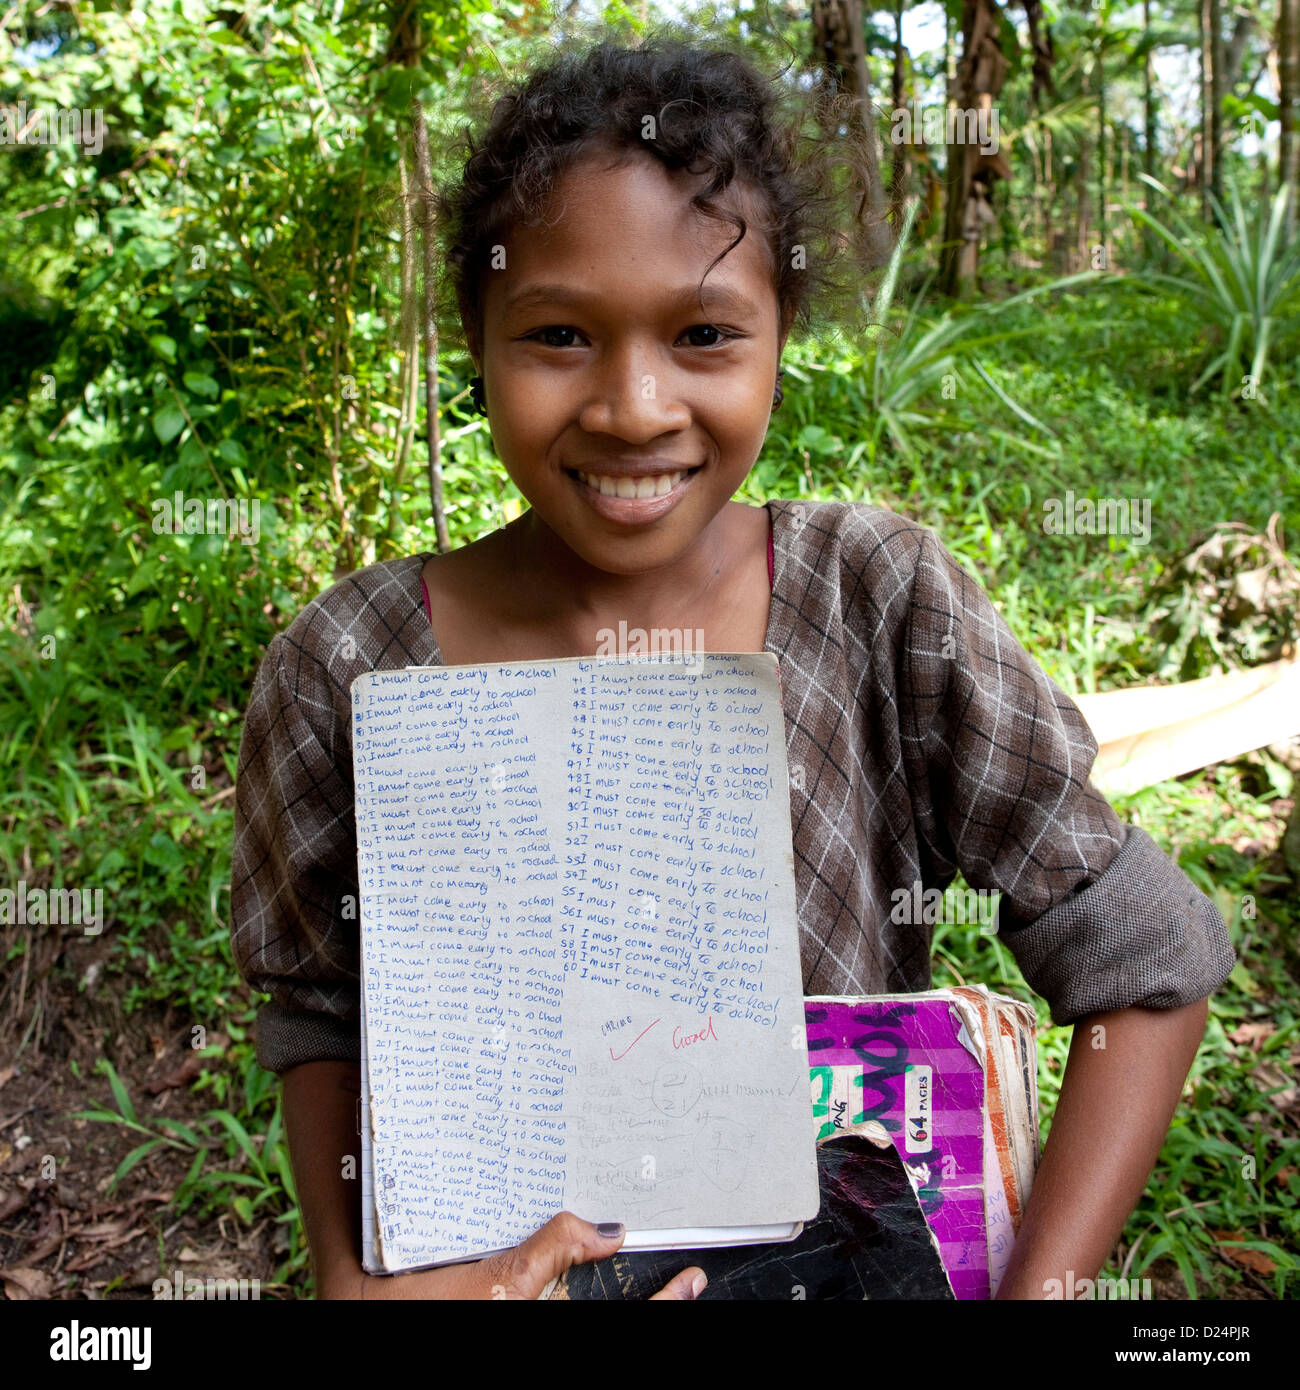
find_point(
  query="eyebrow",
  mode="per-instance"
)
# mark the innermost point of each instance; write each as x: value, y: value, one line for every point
x: 533, y: 296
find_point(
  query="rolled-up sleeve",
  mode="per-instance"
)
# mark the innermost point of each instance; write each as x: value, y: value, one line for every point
x: 1097, y: 916
x: 1140, y: 934
x: 293, y: 881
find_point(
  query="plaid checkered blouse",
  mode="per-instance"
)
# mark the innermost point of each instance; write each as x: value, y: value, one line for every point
x: 921, y: 738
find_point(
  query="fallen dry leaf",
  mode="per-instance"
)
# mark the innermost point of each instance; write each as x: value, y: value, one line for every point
x: 1273, y: 1084
x: 104, y: 1230
x: 12, y: 1202
x: 22, y: 1284
x: 1252, y: 1035
x: 181, y: 1076
x: 1255, y: 1260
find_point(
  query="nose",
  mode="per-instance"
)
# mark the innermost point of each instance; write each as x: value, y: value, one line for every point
x: 634, y: 399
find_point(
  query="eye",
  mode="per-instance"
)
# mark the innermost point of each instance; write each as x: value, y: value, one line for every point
x: 546, y: 333
x: 708, y: 328
x: 561, y: 336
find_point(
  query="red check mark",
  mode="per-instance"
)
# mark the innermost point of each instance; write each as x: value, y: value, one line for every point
x: 630, y: 1045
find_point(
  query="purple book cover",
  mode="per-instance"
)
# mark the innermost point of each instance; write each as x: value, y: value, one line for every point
x: 900, y: 1064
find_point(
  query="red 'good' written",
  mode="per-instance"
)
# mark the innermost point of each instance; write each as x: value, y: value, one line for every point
x: 681, y: 1040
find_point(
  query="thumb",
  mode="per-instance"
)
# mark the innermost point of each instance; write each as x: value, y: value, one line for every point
x: 564, y: 1241
x: 690, y: 1283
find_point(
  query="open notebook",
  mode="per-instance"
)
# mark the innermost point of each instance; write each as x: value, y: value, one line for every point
x: 580, y: 968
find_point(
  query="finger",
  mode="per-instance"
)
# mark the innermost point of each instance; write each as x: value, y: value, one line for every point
x: 690, y: 1283
x: 564, y: 1241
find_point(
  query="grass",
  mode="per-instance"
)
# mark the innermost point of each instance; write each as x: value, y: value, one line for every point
x: 247, y: 1146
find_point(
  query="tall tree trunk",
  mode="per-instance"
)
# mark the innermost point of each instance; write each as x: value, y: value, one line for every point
x: 1211, y: 102
x: 406, y: 47
x: 1042, y: 83
x: 1102, y: 183
x: 429, y: 327
x: 1053, y: 239
x: 949, y: 61
x: 1288, y: 88
x: 1148, y: 106
x: 971, y: 173
x: 1081, y: 253
x: 1218, y: 88
x: 839, y: 49
x: 901, y: 165
x: 1123, y: 164
x: 1235, y: 56
x: 1043, y: 51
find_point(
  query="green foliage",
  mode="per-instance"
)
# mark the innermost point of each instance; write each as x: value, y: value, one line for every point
x: 254, y: 1171
x: 908, y: 367
x: 1241, y: 277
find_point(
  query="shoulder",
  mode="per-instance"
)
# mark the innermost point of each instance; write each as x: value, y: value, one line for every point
x: 858, y: 533
x: 371, y: 619
x: 871, y: 556
x: 372, y: 610
x: 383, y: 593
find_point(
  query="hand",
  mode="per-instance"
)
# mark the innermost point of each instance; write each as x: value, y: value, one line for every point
x: 521, y: 1272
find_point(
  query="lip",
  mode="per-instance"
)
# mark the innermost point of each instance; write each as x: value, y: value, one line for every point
x: 632, y: 511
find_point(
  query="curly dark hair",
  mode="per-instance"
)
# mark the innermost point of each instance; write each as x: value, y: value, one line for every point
x: 800, y: 150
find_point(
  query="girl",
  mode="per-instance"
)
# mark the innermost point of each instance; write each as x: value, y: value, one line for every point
x: 627, y: 249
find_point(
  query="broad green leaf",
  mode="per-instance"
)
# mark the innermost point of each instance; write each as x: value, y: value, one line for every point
x: 201, y: 385
x: 168, y: 423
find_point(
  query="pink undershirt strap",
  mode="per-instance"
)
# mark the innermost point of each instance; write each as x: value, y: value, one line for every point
x: 771, y: 574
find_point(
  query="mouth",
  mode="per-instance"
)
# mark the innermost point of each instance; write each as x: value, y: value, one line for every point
x: 626, y: 499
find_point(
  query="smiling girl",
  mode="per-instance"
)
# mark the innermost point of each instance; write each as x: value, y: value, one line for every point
x: 628, y: 246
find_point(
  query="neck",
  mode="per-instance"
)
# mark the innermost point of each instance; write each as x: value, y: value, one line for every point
x: 561, y: 581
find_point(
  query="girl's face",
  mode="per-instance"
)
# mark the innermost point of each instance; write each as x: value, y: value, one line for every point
x: 603, y: 375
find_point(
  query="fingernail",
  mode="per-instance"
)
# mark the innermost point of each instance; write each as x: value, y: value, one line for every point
x: 607, y: 1230
x: 699, y: 1284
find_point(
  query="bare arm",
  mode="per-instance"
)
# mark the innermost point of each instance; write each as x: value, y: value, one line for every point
x: 320, y: 1121
x: 1112, y: 1117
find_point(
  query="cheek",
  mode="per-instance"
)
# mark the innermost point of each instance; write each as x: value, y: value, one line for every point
x: 742, y: 406
x: 524, y: 410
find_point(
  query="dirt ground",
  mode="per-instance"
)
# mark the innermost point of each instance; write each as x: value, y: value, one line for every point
x: 67, y: 1238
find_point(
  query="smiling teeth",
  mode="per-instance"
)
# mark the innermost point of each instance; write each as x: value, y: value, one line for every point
x: 633, y: 487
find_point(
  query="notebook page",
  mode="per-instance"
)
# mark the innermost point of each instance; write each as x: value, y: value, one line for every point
x: 579, y: 953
